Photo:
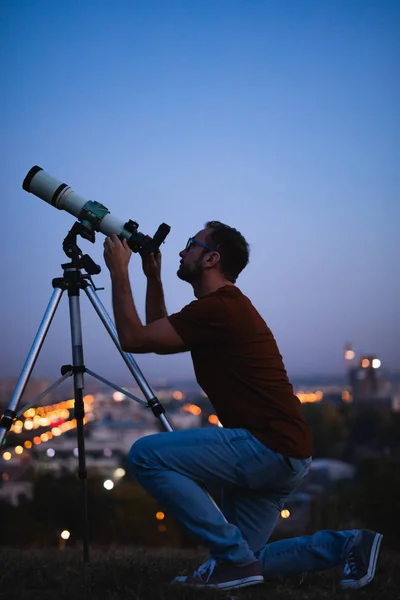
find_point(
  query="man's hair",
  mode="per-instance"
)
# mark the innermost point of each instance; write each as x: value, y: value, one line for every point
x: 232, y: 247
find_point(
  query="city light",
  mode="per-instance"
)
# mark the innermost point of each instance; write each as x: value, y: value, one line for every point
x: 108, y: 484
x: 346, y: 396
x: 65, y: 534
x: 55, y: 416
x: 365, y: 363
x: 118, y: 396
x: 376, y: 363
x: 310, y: 397
x: 50, y: 452
x: 349, y: 354
x: 160, y: 516
x: 213, y: 419
x: 192, y: 408
x: 285, y: 514
x: 118, y: 473
x: 177, y: 395
x: 7, y: 455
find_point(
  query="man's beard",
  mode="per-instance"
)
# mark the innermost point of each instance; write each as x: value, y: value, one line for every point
x: 190, y: 274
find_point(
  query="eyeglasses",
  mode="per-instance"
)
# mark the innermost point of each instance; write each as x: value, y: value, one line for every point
x: 191, y: 241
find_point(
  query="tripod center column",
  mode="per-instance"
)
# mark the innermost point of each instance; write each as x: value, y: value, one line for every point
x: 74, y: 283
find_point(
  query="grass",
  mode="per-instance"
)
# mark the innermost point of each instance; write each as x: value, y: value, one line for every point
x: 145, y: 574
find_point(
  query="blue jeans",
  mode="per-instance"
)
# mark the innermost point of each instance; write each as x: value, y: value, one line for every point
x: 256, y: 481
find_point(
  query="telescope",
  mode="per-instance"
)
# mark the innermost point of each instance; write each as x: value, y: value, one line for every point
x: 92, y: 215
x: 77, y: 276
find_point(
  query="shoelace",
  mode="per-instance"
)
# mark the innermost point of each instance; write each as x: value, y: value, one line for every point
x: 350, y: 567
x: 205, y: 570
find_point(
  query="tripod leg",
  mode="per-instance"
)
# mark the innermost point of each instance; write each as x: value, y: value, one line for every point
x: 44, y: 326
x: 79, y: 368
x: 153, y: 403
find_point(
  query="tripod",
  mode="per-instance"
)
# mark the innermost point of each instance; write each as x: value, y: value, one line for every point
x: 73, y: 281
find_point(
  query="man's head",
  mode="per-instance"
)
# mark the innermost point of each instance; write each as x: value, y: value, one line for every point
x: 218, y: 251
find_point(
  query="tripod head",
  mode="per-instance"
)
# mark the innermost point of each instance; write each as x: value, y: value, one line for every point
x: 74, y: 253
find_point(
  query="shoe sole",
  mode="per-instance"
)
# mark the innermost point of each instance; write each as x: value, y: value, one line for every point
x: 228, y: 585
x: 368, y: 577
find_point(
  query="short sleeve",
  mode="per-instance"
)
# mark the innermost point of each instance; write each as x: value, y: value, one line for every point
x: 204, y: 320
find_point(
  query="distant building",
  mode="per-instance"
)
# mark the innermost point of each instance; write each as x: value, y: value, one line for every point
x: 349, y: 356
x: 368, y: 381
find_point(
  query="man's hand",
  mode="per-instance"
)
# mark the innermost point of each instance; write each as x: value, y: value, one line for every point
x: 117, y: 254
x: 151, y: 264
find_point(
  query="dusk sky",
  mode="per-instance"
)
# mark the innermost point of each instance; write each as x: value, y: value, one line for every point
x: 278, y: 117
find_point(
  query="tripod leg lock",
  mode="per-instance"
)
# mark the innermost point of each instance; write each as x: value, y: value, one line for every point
x: 7, y: 419
x: 156, y: 407
x: 71, y: 369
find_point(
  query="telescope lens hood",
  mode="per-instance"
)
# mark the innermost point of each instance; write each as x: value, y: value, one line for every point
x: 29, y: 176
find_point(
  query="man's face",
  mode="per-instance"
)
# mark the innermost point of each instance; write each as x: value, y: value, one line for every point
x: 190, y: 268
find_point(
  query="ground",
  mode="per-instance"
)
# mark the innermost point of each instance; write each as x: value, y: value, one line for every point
x: 145, y: 574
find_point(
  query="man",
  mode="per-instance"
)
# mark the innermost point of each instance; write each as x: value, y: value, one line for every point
x: 262, y: 452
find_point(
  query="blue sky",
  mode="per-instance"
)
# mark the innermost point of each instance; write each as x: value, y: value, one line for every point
x: 280, y: 118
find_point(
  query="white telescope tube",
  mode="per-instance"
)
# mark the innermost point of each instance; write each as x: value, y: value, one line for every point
x: 96, y: 216
x: 62, y: 196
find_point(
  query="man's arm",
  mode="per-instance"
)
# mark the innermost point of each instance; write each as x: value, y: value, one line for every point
x: 159, y: 337
x: 155, y: 302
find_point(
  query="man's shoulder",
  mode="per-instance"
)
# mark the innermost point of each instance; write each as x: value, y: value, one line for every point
x: 209, y: 303
x: 220, y: 304
x: 223, y: 293
x: 233, y: 295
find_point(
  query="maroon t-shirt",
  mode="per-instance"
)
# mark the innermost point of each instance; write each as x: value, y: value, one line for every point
x: 238, y: 364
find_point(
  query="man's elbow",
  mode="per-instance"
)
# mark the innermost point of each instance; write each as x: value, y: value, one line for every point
x: 132, y: 346
x: 134, y: 349
x: 125, y: 346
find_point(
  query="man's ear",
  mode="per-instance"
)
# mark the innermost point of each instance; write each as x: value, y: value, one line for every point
x: 212, y: 259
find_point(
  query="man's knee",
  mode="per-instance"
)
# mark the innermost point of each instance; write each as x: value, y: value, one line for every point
x: 140, y: 453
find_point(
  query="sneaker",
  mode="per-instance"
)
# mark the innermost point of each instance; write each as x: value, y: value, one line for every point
x: 223, y: 575
x: 360, y: 565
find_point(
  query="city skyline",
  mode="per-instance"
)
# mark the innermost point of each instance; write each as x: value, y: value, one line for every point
x: 279, y: 119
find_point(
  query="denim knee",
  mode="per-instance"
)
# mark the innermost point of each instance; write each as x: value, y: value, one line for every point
x: 135, y: 456
x: 138, y: 454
